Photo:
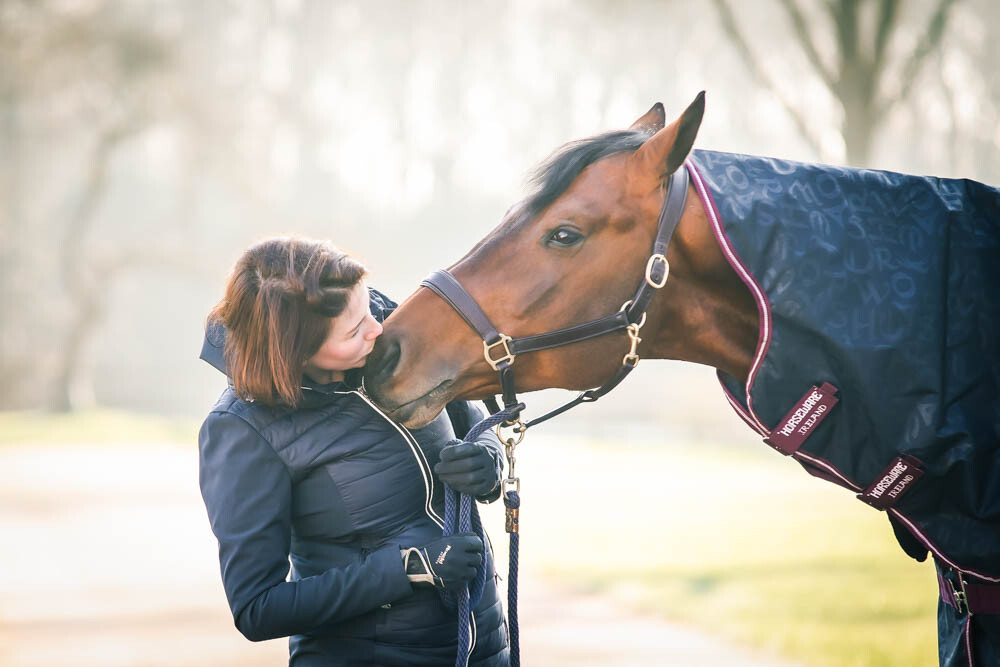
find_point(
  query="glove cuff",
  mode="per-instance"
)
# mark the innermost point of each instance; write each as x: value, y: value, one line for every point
x: 418, y: 566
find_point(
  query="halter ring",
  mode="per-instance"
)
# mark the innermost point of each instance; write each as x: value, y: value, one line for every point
x: 513, y: 441
x: 508, y: 356
x: 642, y: 320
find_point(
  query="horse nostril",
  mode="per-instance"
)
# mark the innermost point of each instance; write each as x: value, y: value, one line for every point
x: 384, y: 358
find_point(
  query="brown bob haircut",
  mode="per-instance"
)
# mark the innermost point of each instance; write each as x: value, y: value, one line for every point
x: 278, y: 309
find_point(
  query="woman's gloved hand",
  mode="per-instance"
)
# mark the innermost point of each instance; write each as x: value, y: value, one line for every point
x: 447, y: 562
x: 469, y: 468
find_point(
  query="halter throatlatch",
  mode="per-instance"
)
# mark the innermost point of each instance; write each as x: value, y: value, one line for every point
x: 500, y: 350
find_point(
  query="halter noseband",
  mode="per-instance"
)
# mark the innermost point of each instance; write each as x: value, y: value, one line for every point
x: 501, y: 350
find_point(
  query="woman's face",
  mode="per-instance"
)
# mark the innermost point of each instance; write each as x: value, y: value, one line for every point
x: 351, y: 338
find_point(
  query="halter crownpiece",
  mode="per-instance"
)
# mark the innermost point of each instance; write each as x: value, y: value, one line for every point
x: 500, y: 350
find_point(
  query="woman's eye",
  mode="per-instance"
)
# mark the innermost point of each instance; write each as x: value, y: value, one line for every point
x: 563, y: 237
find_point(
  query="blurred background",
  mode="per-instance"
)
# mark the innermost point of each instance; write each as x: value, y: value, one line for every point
x: 145, y: 143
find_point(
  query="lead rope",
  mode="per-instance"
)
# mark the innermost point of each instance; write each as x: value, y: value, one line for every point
x: 512, y: 501
x: 462, y: 516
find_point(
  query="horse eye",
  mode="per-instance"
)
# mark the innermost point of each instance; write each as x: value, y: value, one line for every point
x: 563, y: 237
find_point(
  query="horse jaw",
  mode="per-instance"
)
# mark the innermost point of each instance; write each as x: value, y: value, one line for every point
x: 412, y: 376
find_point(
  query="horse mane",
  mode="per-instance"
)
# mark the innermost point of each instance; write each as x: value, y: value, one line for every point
x: 555, y: 174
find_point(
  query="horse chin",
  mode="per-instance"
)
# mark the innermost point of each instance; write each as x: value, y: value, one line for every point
x: 421, y: 415
x: 419, y: 411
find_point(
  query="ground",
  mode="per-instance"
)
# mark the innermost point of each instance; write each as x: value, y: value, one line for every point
x: 106, y: 558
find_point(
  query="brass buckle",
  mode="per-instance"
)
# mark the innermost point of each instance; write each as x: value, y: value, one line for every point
x: 961, y: 599
x: 649, y: 270
x: 508, y: 356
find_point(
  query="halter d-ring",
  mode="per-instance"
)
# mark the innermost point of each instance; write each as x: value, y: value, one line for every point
x: 508, y: 356
x: 642, y: 320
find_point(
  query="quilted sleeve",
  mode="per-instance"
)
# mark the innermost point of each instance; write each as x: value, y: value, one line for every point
x: 247, y: 491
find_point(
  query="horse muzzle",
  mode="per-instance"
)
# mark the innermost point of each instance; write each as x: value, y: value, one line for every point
x: 408, y: 395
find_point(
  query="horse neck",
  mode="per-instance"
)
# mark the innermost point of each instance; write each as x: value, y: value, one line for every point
x: 705, y: 314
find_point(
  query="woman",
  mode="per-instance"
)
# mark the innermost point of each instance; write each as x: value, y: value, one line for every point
x: 298, y: 467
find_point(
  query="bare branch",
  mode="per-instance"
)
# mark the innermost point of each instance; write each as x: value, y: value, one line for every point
x: 927, y: 44
x: 888, y: 11
x: 757, y: 71
x: 83, y: 217
x: 803, y: 34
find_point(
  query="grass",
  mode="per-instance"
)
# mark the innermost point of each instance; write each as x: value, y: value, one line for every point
x: 739, y: 542
x: 93, y: 426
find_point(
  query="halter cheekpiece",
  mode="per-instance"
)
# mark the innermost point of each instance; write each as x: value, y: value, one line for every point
x: 501, y: 350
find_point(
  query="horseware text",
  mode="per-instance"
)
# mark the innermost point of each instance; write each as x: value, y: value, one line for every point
x: 892, y: 483
x: 889, y: 479
x: 802, y: 419
x: 801, y: 413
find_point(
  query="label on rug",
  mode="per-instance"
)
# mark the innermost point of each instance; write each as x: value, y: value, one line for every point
x: 803, y: 419
x: 894, y: 481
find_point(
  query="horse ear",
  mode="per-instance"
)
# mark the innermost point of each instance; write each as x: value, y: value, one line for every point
x: 652, y: 121
x: 668, y: 148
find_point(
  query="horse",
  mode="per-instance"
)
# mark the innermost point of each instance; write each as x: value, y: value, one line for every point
x: 851, y: 314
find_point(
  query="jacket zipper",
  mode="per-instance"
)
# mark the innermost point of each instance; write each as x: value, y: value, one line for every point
x: 425, y: 471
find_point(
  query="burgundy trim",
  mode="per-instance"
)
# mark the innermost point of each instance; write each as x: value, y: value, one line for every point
x: 805, y: 416
x: 968, y: 640
x: 763, y: 306
x: 947, y: 595
x: 979, y: 598
x: 983, y: 598
x: 934, y: 549
x: 836, y: 476
x: 893, y: 482
x: 739, y: 409
x: 763, y: 344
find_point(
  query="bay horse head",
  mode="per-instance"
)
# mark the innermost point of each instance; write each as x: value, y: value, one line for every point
x: 571, y: 252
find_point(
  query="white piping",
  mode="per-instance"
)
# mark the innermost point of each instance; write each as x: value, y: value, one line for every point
x: 820, y: 463
x: 735, y: 262
x: 472, y: 629
x: 937, y: 552
x: 425, y: 471
x: 742, y: 413
x: 418, y: 453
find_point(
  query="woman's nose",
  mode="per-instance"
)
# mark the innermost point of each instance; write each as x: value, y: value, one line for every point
x: 375, y: 331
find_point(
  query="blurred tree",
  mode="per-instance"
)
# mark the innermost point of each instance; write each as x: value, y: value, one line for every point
x: 857, y: 72
x: 144, y: 144
x: 78, y: 82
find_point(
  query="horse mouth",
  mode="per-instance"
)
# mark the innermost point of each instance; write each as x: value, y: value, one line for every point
x: 421, y: 410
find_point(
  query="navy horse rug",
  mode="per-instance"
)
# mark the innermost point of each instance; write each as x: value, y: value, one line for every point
x: 877, y: 365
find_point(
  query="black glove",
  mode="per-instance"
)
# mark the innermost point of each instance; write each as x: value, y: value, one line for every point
x: 448, y: 562
x: 469, y: 468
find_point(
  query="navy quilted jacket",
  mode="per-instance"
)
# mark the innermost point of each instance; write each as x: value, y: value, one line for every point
x: 311, y: 507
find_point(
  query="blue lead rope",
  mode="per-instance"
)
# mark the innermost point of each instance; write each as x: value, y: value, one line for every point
x: 462, y: 516
x: 512, y: 501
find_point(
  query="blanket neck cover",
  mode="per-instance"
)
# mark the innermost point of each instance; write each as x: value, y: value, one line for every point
x: 878, y: 359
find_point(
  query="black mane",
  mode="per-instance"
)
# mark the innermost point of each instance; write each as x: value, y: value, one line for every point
x: 555, y: 174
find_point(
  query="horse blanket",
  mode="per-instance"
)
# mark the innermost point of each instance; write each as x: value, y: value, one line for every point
x: 878, y: 360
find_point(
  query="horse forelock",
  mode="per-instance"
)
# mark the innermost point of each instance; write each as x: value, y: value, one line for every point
x: 554, y: 175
